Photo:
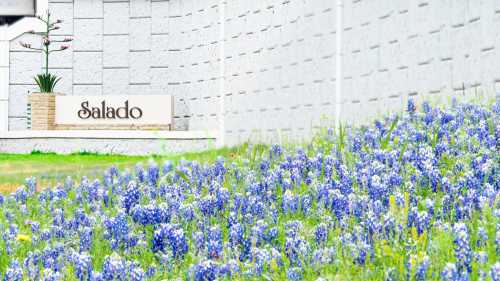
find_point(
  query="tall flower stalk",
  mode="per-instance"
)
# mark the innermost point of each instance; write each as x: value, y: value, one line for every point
x: 47, y: 81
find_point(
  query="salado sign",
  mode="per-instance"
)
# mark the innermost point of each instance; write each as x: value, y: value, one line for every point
x: 114, y: 110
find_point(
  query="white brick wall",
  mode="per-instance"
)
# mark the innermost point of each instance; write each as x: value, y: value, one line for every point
x: 279, y: 58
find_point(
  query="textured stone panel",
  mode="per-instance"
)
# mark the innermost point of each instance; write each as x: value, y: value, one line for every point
x: 140, y: 63
x: 87, y: 68
x: 159, y: 17
x: 19, y: 99
x: 116, y: 18
x: 64, y: 12
x: 88, y: 8
x: 115, y: 81
x: 116, y: 51
x: 17, y: 124
x: 65, y: 85
x: 24, y: 66
x: 88, y: 35
x: 140, y: 8
x: 140, y: 34
x: 87, y: 90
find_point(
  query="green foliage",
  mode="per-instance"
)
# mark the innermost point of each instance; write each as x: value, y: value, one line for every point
x: 46, y: 82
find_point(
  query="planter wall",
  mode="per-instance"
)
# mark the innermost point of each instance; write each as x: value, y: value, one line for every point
x: 43, y: 106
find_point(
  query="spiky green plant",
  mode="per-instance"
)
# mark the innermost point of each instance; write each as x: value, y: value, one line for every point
x: 46, y: 82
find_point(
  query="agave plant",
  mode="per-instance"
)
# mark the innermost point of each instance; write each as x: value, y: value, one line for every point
x: 47, y: 81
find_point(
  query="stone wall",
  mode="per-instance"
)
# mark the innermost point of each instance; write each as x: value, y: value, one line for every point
x: 426, y: 49
x: 277, y: 58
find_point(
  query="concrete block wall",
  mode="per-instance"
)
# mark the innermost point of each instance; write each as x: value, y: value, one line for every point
x: 424, y: 49
x: 279, y: 68
x: 272, y: 62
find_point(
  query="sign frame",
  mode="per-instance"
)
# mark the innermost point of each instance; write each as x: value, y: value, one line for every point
x: 114, y: 110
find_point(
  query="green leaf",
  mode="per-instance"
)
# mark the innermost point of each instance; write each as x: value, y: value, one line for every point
x: 47, y: 82
x: 385, y: 142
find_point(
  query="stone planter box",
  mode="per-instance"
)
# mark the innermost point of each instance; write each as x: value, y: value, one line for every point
x: 43, y: 106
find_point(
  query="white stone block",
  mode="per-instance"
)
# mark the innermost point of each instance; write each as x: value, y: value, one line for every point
x: 140, y: 8
x: 88, y: 8
x: 140, y: 63
x: 4, y: 83
x: 87, y: 90
x: 65, y: 85
x: 140, y: 89
x: 24, y: 66
x: 4, y: 53
x: 64, y: 12
x: 115, y: 81
x: 4, y: 118
x: 87, y: 68
x: 159, y: 50
x: 116, y: 18
x: 19, y: 99
x: 159, y: 80
x: 458, y: 13
x: 116, y: 51
x: 140, y: 34
x: 159, y: 17
x: 88, y: 35
x: 17, y: 124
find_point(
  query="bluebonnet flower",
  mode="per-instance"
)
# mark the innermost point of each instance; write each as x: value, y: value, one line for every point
x: 199, y: 240
x: 462, y: 248
x: 290, y: 202
x: 236, y: 233
x: 136, y: 273
x: 422, y: 269
x: 262, y: 258
x: 321, y: 233
x: 139, y: 173
x: 450, y: 272
x: 14, y: 272
x: 305, y: 204
x: 114, y: 268
x: 21, y: 195
x: 85, y: 239
x: 82, y: 265
x: 214, y: 242
x: 167, y: 167
x: 482, y: 237
x: 204, y: 271
x: 153, y: 173
x: 175, y: 237
x: 422, y: 222
x: 131, y: 196
x: 294, y: 274
x: 495, y: 272
x: 50, y: 275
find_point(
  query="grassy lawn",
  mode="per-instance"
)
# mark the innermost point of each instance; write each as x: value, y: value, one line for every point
x: 50, y: 168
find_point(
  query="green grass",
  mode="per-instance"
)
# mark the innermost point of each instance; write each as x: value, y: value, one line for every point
x: 51, y: 168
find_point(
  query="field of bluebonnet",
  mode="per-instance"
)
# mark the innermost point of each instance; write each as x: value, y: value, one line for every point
x: 410, y: 197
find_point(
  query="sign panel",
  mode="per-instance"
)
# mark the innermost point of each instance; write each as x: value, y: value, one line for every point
x: 17, y: 7
x: 114, y: 110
